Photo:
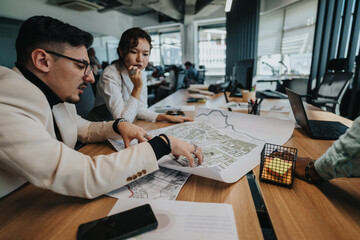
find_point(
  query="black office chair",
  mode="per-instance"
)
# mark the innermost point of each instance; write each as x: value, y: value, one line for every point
x: 86, y: 103
x: 180, y: 81
x: 200, y: 76
x: 84, y: 107
x: 329, y: 94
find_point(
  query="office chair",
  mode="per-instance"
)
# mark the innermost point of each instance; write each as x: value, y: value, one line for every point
x: 84, y: 107
x: 328, y: 95
x: 86, y: 103
x: 166, y: 90
x: 200, y: 76
x: 180, y: 81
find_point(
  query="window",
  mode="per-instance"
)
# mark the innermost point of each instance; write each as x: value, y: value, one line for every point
x: 286, y: 40
x: 105, y: 48
x: 212, y: 48
x: 166, y: 48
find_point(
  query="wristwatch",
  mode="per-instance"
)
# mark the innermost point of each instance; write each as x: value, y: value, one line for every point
x: 307, y: 172
x: 308, y: 168
x: 116, y: 124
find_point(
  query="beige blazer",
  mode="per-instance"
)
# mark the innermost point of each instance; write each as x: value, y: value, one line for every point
x: 29, y: 150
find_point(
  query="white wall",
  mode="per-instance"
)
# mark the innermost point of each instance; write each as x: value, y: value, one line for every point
x: 111, y: 23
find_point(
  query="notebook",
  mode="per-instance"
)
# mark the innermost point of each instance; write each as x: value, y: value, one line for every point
x: 327, y: 130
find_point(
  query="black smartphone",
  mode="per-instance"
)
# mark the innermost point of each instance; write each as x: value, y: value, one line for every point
x: 119, y: 226
x: 175, y: 113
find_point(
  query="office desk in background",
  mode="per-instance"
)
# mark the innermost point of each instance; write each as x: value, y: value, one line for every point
x: 279, y: 83
x: 303, y: 212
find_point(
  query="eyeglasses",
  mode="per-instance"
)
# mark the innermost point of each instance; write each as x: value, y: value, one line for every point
x: 88, y: 67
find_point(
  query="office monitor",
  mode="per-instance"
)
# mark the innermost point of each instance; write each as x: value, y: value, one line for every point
x: 243, y: 72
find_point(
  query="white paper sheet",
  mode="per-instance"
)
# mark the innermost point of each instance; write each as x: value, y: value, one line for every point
x: 163, y: 109
x: 163, y: 184
x: 199, y: 86
x: 271, y: 130
x: 227, y: 155
x: 231, y: 142
x: 186, y: 220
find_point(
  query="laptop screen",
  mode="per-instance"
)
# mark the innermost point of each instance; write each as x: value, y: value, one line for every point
x: 298, y: 109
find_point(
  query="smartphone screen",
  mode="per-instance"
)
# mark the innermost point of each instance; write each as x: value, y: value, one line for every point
x: 120, y: 226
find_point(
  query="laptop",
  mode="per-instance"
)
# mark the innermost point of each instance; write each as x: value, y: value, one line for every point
x: 270, y: 94
x: 327, y: 130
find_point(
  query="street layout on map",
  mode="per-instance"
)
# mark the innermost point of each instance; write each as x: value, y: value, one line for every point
x: 230, y: 151
x: 162, y: 184
x: 221, y: 148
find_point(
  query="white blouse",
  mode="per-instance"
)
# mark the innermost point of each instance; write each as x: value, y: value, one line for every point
x: 114, y: 89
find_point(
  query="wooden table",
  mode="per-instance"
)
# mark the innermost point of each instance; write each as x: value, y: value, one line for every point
x: 33, y: 213
x: 328, y: 211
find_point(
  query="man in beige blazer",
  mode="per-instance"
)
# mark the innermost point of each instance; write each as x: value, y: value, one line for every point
x: 39, y: 125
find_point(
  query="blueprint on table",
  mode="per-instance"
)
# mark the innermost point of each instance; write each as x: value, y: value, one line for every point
x: 162, y: 184
x: 231, y: 142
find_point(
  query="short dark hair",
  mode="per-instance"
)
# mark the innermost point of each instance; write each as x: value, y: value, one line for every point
x: 130, y: 39
x: 46, y: 32
x: 188, y: 64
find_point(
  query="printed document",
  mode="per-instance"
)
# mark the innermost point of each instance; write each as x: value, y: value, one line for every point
x: 163, y: 184
x: 185, y: 220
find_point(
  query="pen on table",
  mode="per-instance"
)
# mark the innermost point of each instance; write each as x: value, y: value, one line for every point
x: 227, y: 100
x: 254, y: 110
x: 256, y: 105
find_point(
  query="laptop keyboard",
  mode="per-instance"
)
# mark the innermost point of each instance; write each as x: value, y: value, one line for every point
x: 327, y: 129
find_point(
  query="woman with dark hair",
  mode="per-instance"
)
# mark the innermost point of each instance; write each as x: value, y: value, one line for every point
x: 122, y: 89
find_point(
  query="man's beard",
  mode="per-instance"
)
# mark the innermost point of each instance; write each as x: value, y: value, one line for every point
x: 71, y: 100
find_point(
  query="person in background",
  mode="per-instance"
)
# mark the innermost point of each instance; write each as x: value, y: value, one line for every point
x: 122, y: 88
x: 96, y: 67
x: 156, y: 73
x: 104, y: 64
x: 170, y: 83
x: 191, y: 74
x: 39, y: 125
x: 173, y: 75
x: 94, y: 62
x: 342, y: 159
